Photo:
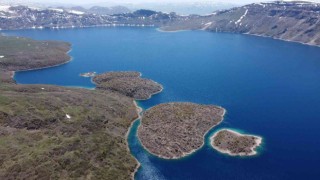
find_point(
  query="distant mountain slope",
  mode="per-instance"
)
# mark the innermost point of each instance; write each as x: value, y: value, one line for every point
x: 293, y: 21
x: 22, y: 17
x: 108, y: 10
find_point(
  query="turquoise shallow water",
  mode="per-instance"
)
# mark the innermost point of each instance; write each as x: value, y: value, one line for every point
x: 269, y: 88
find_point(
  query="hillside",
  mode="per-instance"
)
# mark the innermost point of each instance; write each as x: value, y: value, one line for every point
x: 23, y: 17
x: 292, y: 21
x: 19, y: 53
x: 50, y: 132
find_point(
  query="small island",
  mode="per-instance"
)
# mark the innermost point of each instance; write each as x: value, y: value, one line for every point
x: 174, y: 130
x: 234, y: 143
x: 128, y: 83
x: 88, y: 74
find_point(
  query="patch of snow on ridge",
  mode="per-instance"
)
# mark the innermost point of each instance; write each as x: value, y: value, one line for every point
x: 57, y: 10
x: 76, y: 12
x: 207, y: 25
x: 1, y: 57
x: 4, y: 8
x: 244, y: 15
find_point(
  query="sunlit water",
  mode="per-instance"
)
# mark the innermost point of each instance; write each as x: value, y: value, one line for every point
x: 270, y: 88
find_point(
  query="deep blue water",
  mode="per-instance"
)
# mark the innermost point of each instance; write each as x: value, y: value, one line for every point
x: 270, y: 88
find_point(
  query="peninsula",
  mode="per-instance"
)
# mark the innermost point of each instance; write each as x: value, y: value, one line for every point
x: 19, y: 53
x: 174, y: 130
x: 234, y: 143
x: 128, y: 83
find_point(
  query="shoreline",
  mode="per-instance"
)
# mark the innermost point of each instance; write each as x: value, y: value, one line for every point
x: 285, y: 40
x: 82, y: 27
x: 173, y: 31
x: 253, y: 153
x: 185, y: 155
x: 158, y: 28
x: 152, y: 94
x: 46, y: 67
x: 139, y: 111
x: 274, y: 38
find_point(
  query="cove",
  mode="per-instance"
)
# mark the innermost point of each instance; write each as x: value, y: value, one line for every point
x: 268, y: 87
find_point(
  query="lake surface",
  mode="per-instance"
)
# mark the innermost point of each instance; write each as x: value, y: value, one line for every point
x: 270, y: 88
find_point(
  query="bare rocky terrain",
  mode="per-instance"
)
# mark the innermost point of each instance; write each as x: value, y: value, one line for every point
x: 233, y: 143
x: 174, y: 130
x: 6, y: 76
x: 127, y: 83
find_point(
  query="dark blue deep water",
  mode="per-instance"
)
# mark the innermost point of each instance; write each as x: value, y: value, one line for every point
x: 270, y: 88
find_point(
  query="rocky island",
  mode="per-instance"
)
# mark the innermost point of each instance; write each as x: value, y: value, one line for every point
x: 174, y: 130
x: 128, y: 83
x: 52, y: 132
x: 234, y: 143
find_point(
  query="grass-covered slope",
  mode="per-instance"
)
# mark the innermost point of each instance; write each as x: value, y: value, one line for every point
x: 39, y: 141
x: 18, y: 53
x: 50, y: 132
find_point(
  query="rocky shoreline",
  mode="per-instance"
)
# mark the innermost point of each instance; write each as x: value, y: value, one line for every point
x: 139, y: 111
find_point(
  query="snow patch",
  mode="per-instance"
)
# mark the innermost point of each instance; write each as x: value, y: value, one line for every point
x: 207, y: 25
x: 4, y: 8
x: 1, y: 57
x: 263, y: 5
x: 54, y: 9
x: 244, y: 15
x: 35, y: 8
x: 76, y: 12
x: 68, y: 116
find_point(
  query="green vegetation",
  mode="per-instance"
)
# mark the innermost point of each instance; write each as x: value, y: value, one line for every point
x: 50, y: 132
x: 128, y: 83
x: 38, y: 141
x: 18, y: 53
